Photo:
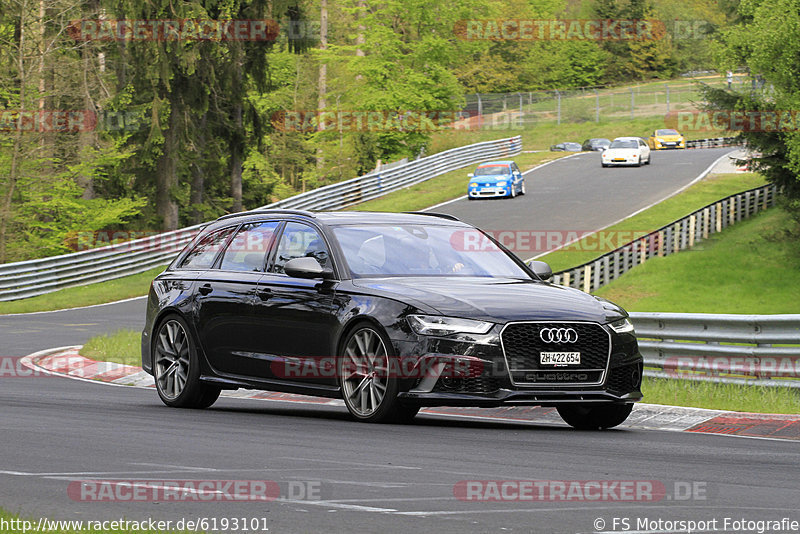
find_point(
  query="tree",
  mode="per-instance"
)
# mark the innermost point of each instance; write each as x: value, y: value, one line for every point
x: 767, y: 42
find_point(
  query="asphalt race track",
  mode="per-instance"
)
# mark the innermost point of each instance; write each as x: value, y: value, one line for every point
x: 336, y: 475
x: 577, y: 194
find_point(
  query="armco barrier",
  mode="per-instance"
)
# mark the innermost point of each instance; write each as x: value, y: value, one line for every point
x: 36, y: 277
x: 669, y: 239
x: 713, y: 142
x: 378, y: 183
x: 737, y: 349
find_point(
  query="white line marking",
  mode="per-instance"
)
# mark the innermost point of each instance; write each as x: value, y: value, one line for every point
x: 700, y: 177
x: 76, y: 308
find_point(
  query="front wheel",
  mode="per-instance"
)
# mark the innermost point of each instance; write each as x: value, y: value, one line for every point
x: 593, y: 417
x: 522, y: 192
x: 368, y: 389
x: 649, y: 158
x: 177, y: 367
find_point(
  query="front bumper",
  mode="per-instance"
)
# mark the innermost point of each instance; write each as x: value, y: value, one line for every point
x: 480, y: 376
x: 506, y: 397
x: 669, y: 145
x: 489, y: 192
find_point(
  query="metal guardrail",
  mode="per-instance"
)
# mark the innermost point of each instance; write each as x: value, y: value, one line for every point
x: 378, y: 183
x: 713, y: 142
x: 735, y: 349
x: 37, y: 277
x: 674, y: 237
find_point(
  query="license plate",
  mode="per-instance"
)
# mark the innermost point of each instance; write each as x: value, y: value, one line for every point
x: 560, y: 358
x: 618, y: 159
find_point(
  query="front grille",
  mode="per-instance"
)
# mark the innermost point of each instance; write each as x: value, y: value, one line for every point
x: 625, y: 379
x: 478, y: 384
x: 522, y: 345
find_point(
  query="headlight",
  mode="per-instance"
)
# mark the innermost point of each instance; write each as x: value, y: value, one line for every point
x: 501, y: 184
x: 622, y: 326
x: 660, y: 140
x: 436, y: 325
x: 473, y: 185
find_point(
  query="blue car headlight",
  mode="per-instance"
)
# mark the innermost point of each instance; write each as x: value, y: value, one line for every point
x: 502, y: 184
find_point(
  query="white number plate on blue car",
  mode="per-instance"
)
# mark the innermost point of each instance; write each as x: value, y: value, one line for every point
x: 560, y: 358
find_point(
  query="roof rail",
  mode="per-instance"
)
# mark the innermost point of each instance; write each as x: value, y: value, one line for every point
x: 261, y: 210
x: 434, y: 214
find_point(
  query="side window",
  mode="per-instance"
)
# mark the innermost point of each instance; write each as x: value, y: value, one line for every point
x: 248, y: 248
x: 203, y: 254
x: 298, y: 240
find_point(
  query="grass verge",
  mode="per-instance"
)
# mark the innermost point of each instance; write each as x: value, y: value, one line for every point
x: 756, y: 399
x: 122, y: 288
x: 712, y: 188
x: 122, y: 346
x: 752, y: 267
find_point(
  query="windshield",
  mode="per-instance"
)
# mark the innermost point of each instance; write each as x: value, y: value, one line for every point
x: 417, y: 250
x: 491, y: 170
x: 667, y: 132
x: 624, y: 144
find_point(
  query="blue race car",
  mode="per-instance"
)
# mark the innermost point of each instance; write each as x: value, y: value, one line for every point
x: 496, y: 179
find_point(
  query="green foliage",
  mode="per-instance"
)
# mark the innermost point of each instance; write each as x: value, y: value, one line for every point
x: 767, y: 41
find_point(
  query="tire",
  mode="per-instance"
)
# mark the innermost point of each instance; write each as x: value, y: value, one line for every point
x: 368, y: 389
x: 522, y: 192
x: 604, y: 165
x: 593, y: 417
x: 513, y: 191
x: 649, y: 158
x: 176, y: 366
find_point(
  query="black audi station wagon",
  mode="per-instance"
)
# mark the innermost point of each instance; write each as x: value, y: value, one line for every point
x: 389, y: 312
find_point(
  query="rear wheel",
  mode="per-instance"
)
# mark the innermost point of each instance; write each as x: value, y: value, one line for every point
x: 593, y: 417
x: 368, y: 389
x: 177, y: 368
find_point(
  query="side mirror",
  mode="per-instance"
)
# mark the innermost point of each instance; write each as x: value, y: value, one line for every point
x: 306, y: 267
x: 470, y: 175
x: 540, y: 269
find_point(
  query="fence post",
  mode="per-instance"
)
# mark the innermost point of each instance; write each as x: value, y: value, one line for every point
x: 596, y: 106
x: 692, y: 222
x: 587, y: 279
x: 480, y: 108
x: 632, y: 102
x: 558, y: 95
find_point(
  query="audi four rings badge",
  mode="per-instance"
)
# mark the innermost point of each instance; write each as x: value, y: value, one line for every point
x: 558, y: 335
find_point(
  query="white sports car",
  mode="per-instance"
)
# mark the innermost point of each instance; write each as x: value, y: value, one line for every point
x: 626, y: 151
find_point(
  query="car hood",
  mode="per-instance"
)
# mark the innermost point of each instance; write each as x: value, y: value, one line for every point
x: 621, y: 151
x: 495, y: 299
x: 490, y: 178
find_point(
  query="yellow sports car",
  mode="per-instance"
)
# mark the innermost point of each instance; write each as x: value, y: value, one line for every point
x: 667, y: 138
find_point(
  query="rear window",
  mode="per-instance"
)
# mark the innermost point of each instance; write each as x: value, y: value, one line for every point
x: 206, y: 249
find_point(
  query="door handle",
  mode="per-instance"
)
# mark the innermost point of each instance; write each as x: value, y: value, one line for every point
x: 205, y: 289
x: 264, y: 294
